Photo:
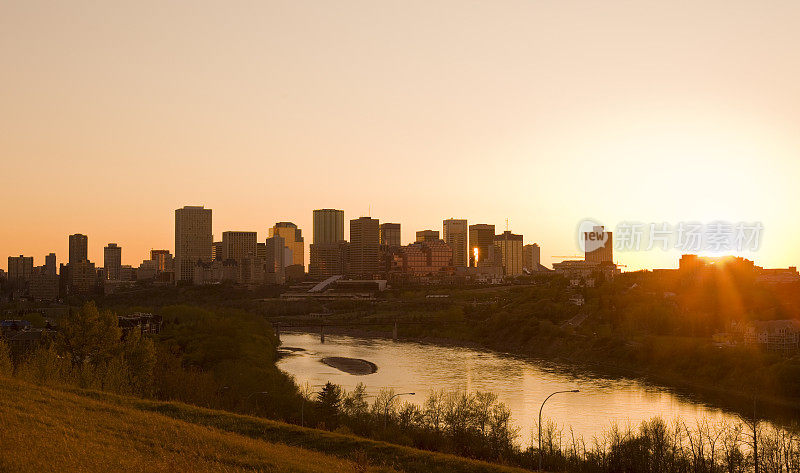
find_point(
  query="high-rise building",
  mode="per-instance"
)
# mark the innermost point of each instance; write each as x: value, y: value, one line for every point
x: 50, y: 264
x: 112, y: 261
x: 237, y: 246
x: 20, y: 270
x: 328, y: 226
x: 531, y: 257
x: 275, y: 259
x: 481, y: 238
x: 598, y: 245
x: 454, y: 233
x: 328, y: 259
x: 163, y: 260
x: 390, y: 234
x: 82, y: 277
x: 423, y: 258
x: 364, y: 248
x: 193, y: 239
x: 293, y: 239
x: 427, y: 235
x: 78, y: 248
x: 510, y: 252
x: 216, y: 251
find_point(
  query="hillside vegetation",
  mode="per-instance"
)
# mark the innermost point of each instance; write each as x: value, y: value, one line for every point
x: 50, y: 429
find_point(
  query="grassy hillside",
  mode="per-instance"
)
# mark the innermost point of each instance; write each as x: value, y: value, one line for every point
x: 53, y: 429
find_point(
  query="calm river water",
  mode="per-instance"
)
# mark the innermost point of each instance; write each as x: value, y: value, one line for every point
x: 521, y: 385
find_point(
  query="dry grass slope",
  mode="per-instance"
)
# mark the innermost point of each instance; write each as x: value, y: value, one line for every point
x: 53, y: 429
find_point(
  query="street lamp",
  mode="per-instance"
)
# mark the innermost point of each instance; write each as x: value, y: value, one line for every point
x: 389, y: 401
x: 540, y: 421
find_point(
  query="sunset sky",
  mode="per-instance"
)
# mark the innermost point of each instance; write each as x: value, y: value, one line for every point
x: 113, y: 115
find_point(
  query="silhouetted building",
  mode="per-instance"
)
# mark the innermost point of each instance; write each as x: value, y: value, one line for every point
x: 20, y: 270
x: 427, y: 235
x: 328, y: 259
x: 216, y: 251
x: 454, y: 233
x: 423, y: 258
x: 364, y: 248
x: 193, y: 240
x: 82, y: 277
x: 481, y: 238
x: 531, y: 257
x: 239, y: 245
x: 510, y: 246
x: 112, y: 261
x: 50, y: 266
x: 390, y: 234
x: 599, y: 245
x: 293, y: 239
x: 43, y: 286
x: 328, y: 226
x: 163, y: 260
x: 275, y: 259
x: 78, y: 248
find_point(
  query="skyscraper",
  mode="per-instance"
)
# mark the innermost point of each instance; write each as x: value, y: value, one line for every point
x: 328, y: 251
x: 599, y: 245
x: 510, y: 252
x: 163, y: 260
x: 239, y: 245
x: 78, y: 248
x: 275, y: 261
x: 112, y: 260
x: 50, y: 264
x: 531, y: 257
x: 293, y: 239
x: 481, y: 237
x: 454, y: 233
x: 193, y: 240
x: 390, y: 234
x: 20, y: 270
x: 364, y: 248
x: 328, y: 226
x: 427, y: 235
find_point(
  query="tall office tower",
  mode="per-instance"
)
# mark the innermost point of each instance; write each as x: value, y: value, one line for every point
x: 20, y: 269
x: 216, y: 251
x: 481, y: 237
x: 598, y: 245
x: 364, y: 248
x: 390, y: 234
x: 328, y: 226
x: 50, y: 264
x: 293, y: 238
x: 510, y: 252
x: 193, y: 240
x: 454, y: 232
x: 275, y: 259
x: 163, y: 260
x: 427, y: 235
x: 531, y: 257
x: 78, y: 248
x: 239, y: 245
x: 328, y: 252
x: 112, y: 260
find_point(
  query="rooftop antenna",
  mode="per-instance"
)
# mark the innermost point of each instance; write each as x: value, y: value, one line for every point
x: 506, y: 224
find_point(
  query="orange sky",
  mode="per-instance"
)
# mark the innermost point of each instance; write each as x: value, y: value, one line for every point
x: 542, y: 112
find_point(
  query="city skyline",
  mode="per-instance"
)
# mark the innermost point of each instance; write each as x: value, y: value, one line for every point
x: 557, y: 113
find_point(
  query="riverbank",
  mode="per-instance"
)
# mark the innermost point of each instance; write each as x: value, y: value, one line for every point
x: 779, y: 409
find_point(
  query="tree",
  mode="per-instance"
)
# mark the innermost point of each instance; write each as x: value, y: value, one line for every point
x: 139, y: 355
x: 330, y: 399
x: 89, y: 335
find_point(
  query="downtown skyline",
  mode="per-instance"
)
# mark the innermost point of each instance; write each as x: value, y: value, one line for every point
x: 558, y: 113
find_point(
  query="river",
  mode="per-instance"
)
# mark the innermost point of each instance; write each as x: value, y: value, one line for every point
x: 521, y: 384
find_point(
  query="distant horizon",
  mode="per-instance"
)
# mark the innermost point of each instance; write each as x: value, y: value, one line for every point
x: 95, y: 250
